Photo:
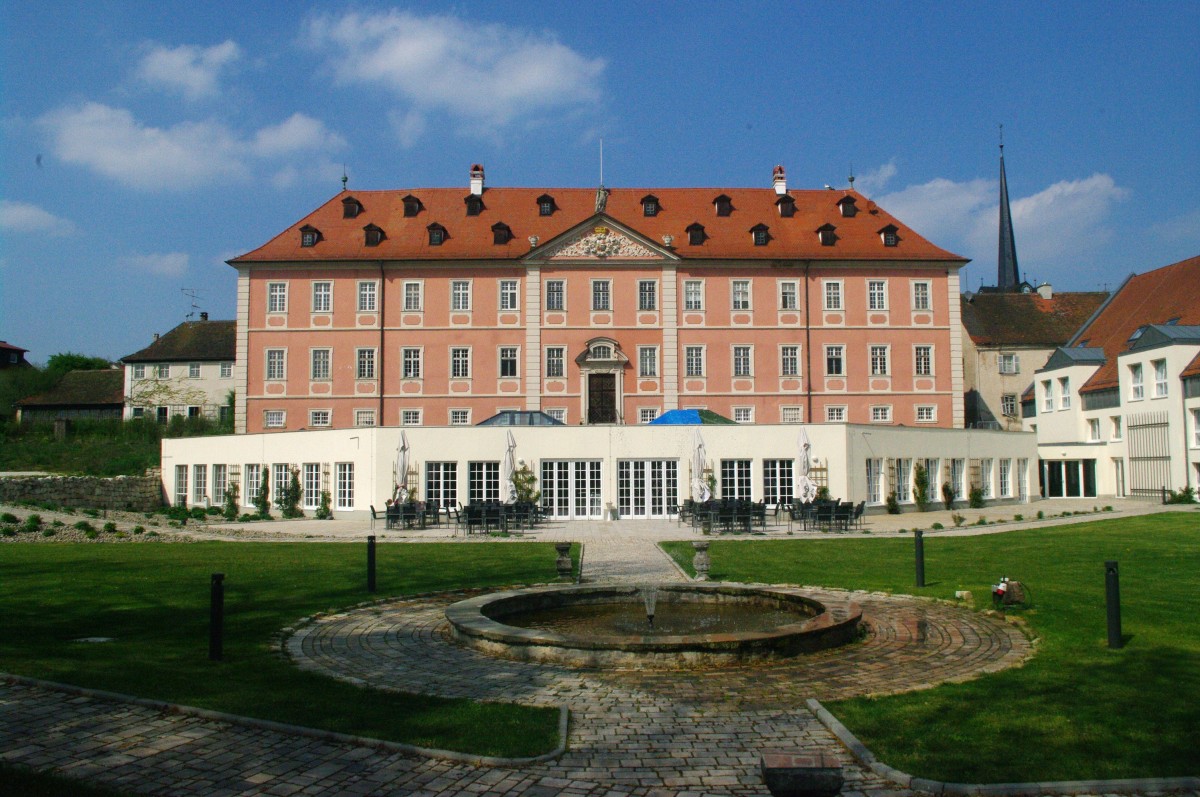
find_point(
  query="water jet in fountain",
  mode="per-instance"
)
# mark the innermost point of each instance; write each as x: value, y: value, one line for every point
x: 665, y: 626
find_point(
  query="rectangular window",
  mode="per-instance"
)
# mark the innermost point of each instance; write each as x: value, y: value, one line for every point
x: 345, y: 485
x: 693, y: 357
x: 441, y: 484
x: 276, y: 297
x: 483, y: 481
x: 1008, y: 363
x: 1005, y: 478
x: 879, y: 361
x: 275, y: 364
x: 410, y: 417
x: 555, y: 356
x: 274, y: 419
x: 410, y: 363
x: 735, y: 480
x: 647, y: 361
x: 920, y: 296
x: 460, y: 295
x: 1160, y: 378
x: 923, y: 360
x: 181, y: 485
x: 280, y: 477
x: 742, y: 360
x: 199, y: 483
x: 834, y: 361
x: 791, y: 415
x: 460, y: 417
x: 508, y: 361
x: 366, y: 297
x: 876, y: 295
x: 693, y: 295
x: 413, y: 300
x: 741, y: 295
x: 1116, y: 427
x: 789, y: 360
x: 226, y: 370
x: 555, y: 295
x: 788, y: 296
x: 1008, y: 405
x: 508, y: 294
x: 882, y: 414
x: 312, y: 485
x: 874, y: 481
x: 460, y: 363
x: 163, y: 371
x: 557, y: 413
x: 193, y: 370
x: 957, y: 471
x: 318, y: 418
x: 904, y: 480
x: 835, y: 414
x: 252, y: 482
x: 1196, y: 428
x: 985, y: 477
x: 139, y: 372
x: 220, y: 479
x: 322, y: 297
x: 743, y: 414
x: 1093, y: 430
x: 364, y: 417
x: 647, y: 295
x: 833, y: 295
x: 601, y: 295
x: 1047, y: 396
x: 1135, y: 382
x: 320, y: 364
x: 647, y: 414
x: 926, y: 413
x: 366, y: 364
x: 778, y: 484
x: 1064, y: 393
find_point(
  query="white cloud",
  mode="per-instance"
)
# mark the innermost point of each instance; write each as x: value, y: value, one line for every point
x: 1184, y: 228
x: 941, y: 210
x: 873, y: 182
x: 166, y: 264
x: 483, y: 75
x: 23, y: 217
x: 112, y: 142
x: 188, y: 70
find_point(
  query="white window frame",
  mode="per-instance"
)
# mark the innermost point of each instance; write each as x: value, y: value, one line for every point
x: 833, y: 295
x: 274, y: 419
x: 647, y: 362
x: 835, y: 413
x: 1064, y: 393
x: 414, y: 296
x: 928, y: 360
x: 602, y: 296
x: 556, y: 362
x: 460, y: 362
x: 322, y: 296
x: 277, y: 297
x: 791, y: 414
x: 324, y: 373
x: 881, y: 413
x: 880, y: 359
x: 320, y: 418
x: 930, y: 412
x: 1117, y: 424
x: 792, y: 360
x: 985, y: 477
x: 163, y: 371
x: 364, y: 363
x: 368, y: 296
x: 344, y: 485
x: 411, y: 362
x: 459, y: 416
x: 922, y: 303
x: 1160, y: 378
x: 559, y: 292
x: 789, y: 295
x: 193, y: 370
x: 557, y: 413
x: 1047, y: 396
x: 310, y: 485
x: 840, y: 349
x: 693, y: 295
x: 1008, y: 364
x: 364, y: 418
x: 743, y: 415
x: 740, y: 296
x: 648, y: 296
x: 226, y: 370
x: 647, y: 414
x: 1137, y: 390
x: 877, y: 295
x: 515, y: 360
x: 741, y: 358
x: 251, y: 482
x: 138, y: 372
x: 460, y: 296
x: 1093, y: 425
x: 689, y: 361
x: 509, y: 294
x: 410, y: 417
x: 1196, y: 428
x: 275, y: 365
x: 1011, y: 399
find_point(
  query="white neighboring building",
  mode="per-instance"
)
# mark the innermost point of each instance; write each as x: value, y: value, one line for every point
x: 188, y: 371
x: 1117, y: 411
x: 599, y: 472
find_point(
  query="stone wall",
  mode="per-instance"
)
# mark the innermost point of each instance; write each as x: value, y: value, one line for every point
x: 138, y: 493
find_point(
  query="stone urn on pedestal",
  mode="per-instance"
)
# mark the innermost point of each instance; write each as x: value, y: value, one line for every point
x: 701, y: 562
x: 563, y: 563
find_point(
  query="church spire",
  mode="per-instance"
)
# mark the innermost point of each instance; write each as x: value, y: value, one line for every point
x: 1008, y: 276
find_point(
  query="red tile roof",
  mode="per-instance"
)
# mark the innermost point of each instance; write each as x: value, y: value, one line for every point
x: 1026, y: 319
x: 470, y: 237
x: 1193, y: 368
x: 1156, y: 297
x: 6, y: 346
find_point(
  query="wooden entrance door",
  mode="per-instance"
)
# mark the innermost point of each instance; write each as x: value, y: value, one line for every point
x: 602, y: 398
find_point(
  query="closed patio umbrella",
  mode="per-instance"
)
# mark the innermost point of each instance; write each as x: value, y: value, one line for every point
x: 806, y: 488
x: 401, y: 474
x: 507, y: 469
x: 700, y: 491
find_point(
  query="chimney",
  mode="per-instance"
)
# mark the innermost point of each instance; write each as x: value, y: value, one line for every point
x: 156, y: 336
x: 1046, y: 290
x: 204, y: 316
x: 780, y: 181
x: 477, y: 179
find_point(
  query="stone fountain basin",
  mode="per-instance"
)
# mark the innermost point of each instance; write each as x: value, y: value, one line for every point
x: 479, y: 623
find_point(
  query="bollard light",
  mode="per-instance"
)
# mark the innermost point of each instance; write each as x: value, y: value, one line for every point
x: 919, y: 539
x: 371, y: 563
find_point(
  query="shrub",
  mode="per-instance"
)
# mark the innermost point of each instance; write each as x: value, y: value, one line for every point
x: 893, y: 503
x: 32, y: 523
x: 262, y: 501
x: 9, y: 517
x: 110, y: 527
x: 58, y: 524
x: 84, y: 526
x: 1018, y: 517
x: 1041, y: 514
x: 197, y: 513
x: 92, y: 513
x: 1185, y: 496
x: 982, y: 521
x: 138, y: 529
x: 947, y: 495
x: 325, y: 510
x: 958, y: 519
x: 229, y: 510
x: 1108, y: 509
x: 920, y: 487
x: 975, y: 497
x: 525, y: 484
x: 937, y: 527
x: 8, y: 531
x: 247, y: 517
x: 213, y: 511
x: 49, y: 533
x: 179, y: 513
x: 91, y: 534
x: 288, y: 500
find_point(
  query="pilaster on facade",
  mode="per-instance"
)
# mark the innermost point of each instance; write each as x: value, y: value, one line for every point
x: 533, y: 337
x: 241, y: 350
x: 956, y: 349
x: 670, y: 332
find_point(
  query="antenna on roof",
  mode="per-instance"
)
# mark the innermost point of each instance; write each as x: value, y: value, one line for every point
x: 1001, y: 137
x: 193, y: 294
x: 601, y: 162
x: 345, y: 179
x: 851, y: 175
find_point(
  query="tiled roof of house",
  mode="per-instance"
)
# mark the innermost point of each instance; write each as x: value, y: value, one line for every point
x: 858, y: 237
x: 191, y: 341
x: 82, y: 389
x: 5, y: 346
x: 1167, y: 294
x: 1193, y: 368
x: 1026, y: 319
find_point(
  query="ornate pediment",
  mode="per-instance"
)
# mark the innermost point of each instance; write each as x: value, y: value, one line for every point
x: 601, y: 243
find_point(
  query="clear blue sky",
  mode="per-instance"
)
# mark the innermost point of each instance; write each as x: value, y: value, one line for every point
x: 142, y: 144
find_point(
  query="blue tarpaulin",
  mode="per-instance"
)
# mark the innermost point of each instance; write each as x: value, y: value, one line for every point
x: 690, y: 418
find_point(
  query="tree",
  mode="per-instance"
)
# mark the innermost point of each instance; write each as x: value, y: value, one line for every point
x: 525, y: 484
x: 920, y: 487
x: 71, y: 361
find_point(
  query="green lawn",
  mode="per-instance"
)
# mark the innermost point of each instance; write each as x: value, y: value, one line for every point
x: 1077, y: 709
x: 153, y: 599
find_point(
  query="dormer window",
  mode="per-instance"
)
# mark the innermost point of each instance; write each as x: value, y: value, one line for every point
x: 309, y: 235
x: 828, y: 234
x: 760, y: 234
x: 373, y: 235
x: 546, y: 205
x: 501, y: 234
x: 649, y: 205
x: 787, y: 206
x: 889, y: 236
x: 848, y: 207
x: 351, y: 207
x: 696, y: 234
x: 474, y: 205
x: 724, y: 205
x: 437, y: 234
x: 412, y: 206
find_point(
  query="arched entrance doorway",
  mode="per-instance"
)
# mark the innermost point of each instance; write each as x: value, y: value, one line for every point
x: 602, y: 365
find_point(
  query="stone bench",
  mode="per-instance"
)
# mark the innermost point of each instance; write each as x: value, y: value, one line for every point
x: 801, y: 775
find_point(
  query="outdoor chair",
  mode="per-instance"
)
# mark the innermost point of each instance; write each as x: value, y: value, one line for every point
x: 393, y: 516
x: 374, y: 516
x: 842, y: 516
x: 859, y: 511
x: 474, y: 518
x: 823, y: 516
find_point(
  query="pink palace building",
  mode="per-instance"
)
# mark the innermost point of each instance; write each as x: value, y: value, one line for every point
x: 444, y: 306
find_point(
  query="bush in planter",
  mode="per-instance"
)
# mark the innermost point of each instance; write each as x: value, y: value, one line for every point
x: 325, y: 511
x: 947, y: 495
x: 937, y: 527
x: 975, y: 497
x: 229, y: 510
x: 197, y: 513
x: 262, y: 501
x: 288, y: 500
x: 893, y: 503
x: 920, y: 487
x: 958, y: 519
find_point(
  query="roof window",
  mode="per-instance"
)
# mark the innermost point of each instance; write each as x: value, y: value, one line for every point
x: 889, y: 236
x: 787, y: 206
x: 373, y: 235
x: 828, y: 234
x: 1137, y: 333
x: 474, y: 204
x: 761, y: 234
x: 724, y: 205
x: 696, y: 234
x: 412, y: 206
x: 546, y: 205
x: 351, y: 207
x: 848, y: 206
x: 309, y: 235
x: 650, y: 205
x: 437, y: 234
x: 501, y: 233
